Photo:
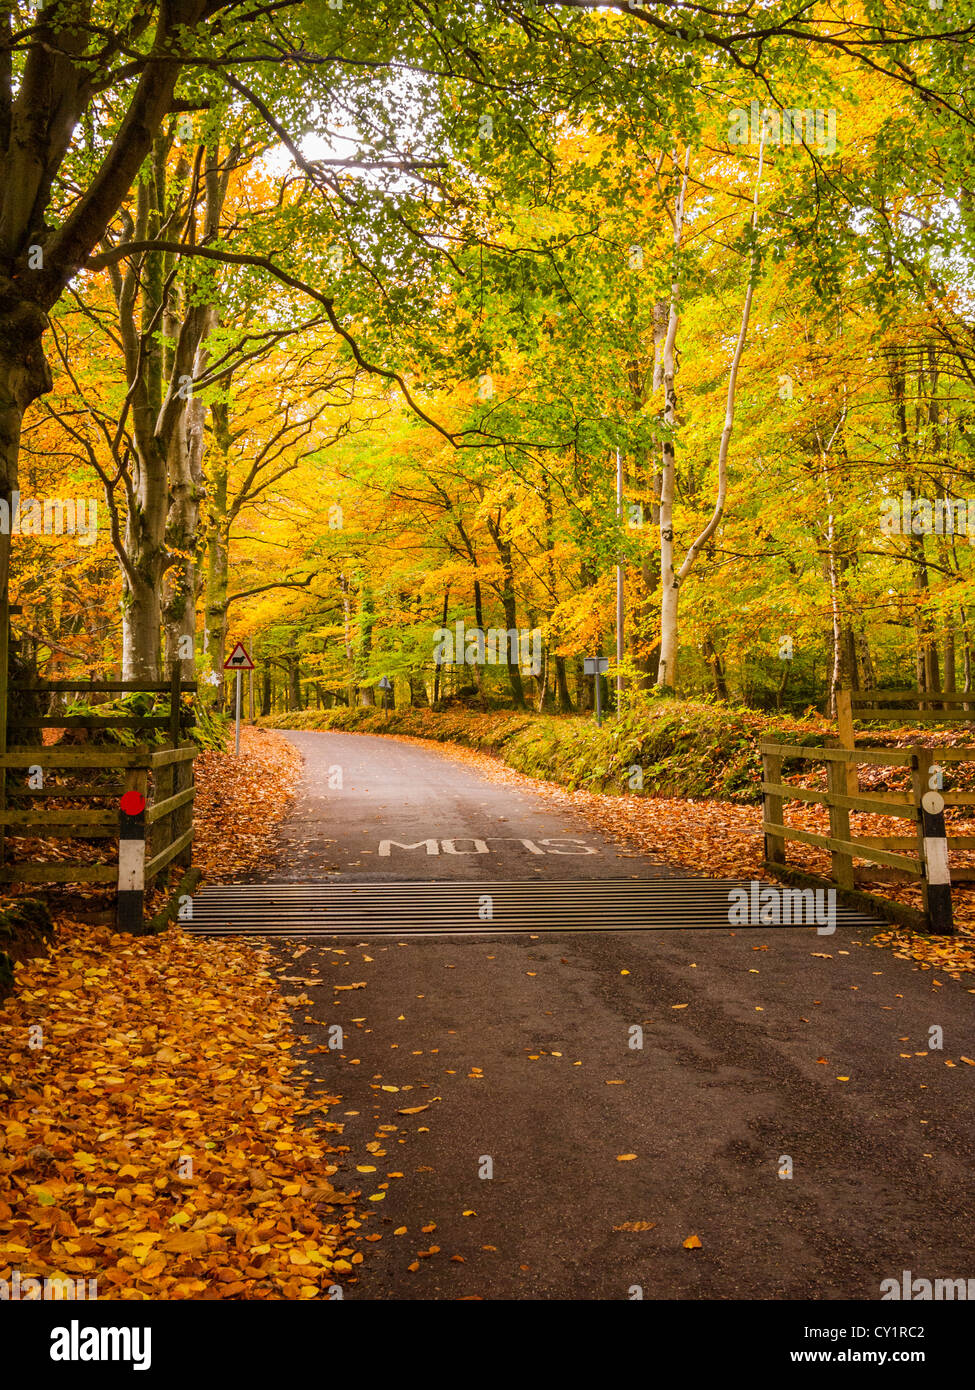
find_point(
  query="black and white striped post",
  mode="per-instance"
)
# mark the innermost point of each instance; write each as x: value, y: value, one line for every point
x: 131, y: 861
x: 937, y: 878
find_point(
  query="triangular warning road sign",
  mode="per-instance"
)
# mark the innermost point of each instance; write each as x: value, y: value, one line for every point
x: 238, y: 660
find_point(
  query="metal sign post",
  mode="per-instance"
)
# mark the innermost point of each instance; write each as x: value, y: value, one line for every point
x: 595, y: 666
x: 386, y: 685
x: 238, y: 661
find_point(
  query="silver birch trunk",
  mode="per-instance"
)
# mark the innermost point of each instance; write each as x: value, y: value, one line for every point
x: 671, y: 579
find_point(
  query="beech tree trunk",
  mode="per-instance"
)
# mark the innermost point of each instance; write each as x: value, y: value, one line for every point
x: 562, y: 687
x: 186, y: 488
x: 419, y: 699
x: 510, y: 608
x: 163, y: 482
x: 24, y: 375
x: 671, y: 578
x: 218, y: 548
x: 57, y: 85
x: 366, y: 620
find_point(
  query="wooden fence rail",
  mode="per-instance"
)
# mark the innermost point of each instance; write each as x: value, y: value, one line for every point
x: 162, y: 779
x: 922, y: 805
x: 906, y: 707
x: 912, y: 706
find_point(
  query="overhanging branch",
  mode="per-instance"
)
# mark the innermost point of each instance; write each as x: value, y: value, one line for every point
x: 178, y: 248
x: 262, y: 588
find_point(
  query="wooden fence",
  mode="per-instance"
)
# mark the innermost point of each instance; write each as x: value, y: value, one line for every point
x: 920, y: 856
x: 162, y: 778
x: 902, y: 707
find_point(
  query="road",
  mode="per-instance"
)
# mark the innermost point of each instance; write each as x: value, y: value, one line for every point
x: 756, y: 1049
x: 372, y: 809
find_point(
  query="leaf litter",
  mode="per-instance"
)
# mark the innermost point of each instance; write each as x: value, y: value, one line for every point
x: 154, y: 1127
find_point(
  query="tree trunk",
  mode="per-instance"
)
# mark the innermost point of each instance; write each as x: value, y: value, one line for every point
x: 584, y: 687
x: 186, y: 479
x: 541, y: 682
x: 439, y: 670
x: 646, y: 611
x: 142, y: 560
x: 645, y: 608
x: 56, y: 89
x: 836, y: 676
x: 345, y: 588
x: 949, y: 650
x: 266, y: 690
x: 510, y: 607
x: 716, y: 664
x: 366, y: 621
x: 562, y: 687
x: 866, y: 678
x: 24, y: 375
x: 927, y: 650
x: 294, y: 683
x: 669, y: 581
x: 419, y: 699
x: 164, y: 484
x: 141, y: 626
x: 218, y: 547
x: 966, y: 653
x: 182, y: 538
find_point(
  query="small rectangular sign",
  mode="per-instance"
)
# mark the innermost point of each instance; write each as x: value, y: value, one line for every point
x: 595, y: 665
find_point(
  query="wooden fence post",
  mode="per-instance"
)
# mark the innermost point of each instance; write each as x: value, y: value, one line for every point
x: 932, y: 846
x: 844, y: 727
x: 175, y: 820
x: 772, y: 809
x: 839, y: 825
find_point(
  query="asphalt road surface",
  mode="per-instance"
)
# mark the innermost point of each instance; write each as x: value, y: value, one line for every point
x: 371, y: 809
x: 559, y: 1158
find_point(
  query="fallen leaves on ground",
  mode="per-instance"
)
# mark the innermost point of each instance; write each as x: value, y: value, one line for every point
x: 154, y: 1141
x: 239, y: 802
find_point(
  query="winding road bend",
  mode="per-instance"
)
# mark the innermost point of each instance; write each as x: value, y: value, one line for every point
x: 372, y: 809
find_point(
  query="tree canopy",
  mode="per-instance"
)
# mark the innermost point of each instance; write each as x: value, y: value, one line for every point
x: 350, y: 320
